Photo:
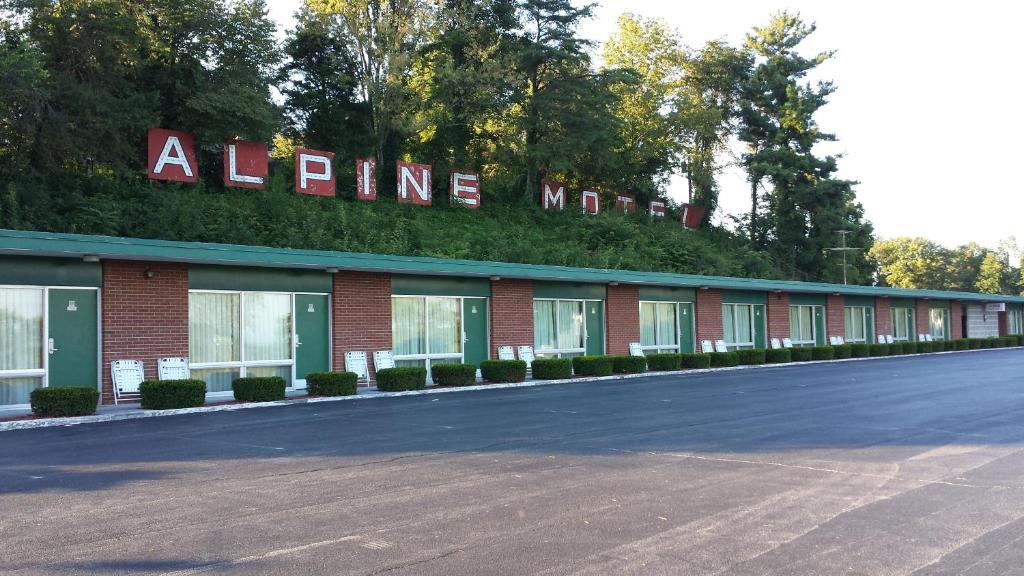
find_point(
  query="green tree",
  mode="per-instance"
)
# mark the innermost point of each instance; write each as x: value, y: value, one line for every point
x: 910, y: 262
x: 991, y: 275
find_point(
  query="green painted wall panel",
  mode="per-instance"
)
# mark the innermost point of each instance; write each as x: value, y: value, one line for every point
x: 807, y: 299
x: 665, y: 294
x: 29, y: 271
x: 744, y: 297
x: 902, y: 303
x: 402, y: 285
x: 865, y: 301
x: 570, y: 290
x: 202, y: 277
x: 944, y: 304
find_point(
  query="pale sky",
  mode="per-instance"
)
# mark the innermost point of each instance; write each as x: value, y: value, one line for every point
x: 924, y: 111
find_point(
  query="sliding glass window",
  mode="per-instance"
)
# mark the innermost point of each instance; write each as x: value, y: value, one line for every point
x: 902, y: 324
x: 856, y: 320
x: 659, y: 327
x: 238, y: 334
x: 21, y: 343
x: 426, y: 330
x: 738, y: 324
x: 1013, y: 321
x: 937, y: 321
x: 801, y: 325
x: 558, y: 328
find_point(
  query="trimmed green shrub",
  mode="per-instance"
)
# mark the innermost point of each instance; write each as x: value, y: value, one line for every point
x: 332, y: 383
x: 842, y: 351
x: 942, y: 346
x: 991, y: 342
x: 910, y: 348
x: 822, y: 353
x: 694, y: 361
x: 629, y: 364
x: 453, y: 374
x: 778, y: 356
x: 169, y: 394
x: 1008, y: 341
x: 962, y: 344
x: 751, y: 357
x: 664, y: 361
x: 879, y: 350
x: 64, y: 401
x: 552, y: 368
x: 401, y: 379
x: 592, y: 365
x: 503, y: 370
x: 860, y: 350
x: 724, y: 359
x: 974, y: 343
x: 896, y: 348
x: 801, y: 354
x: 259, y: 389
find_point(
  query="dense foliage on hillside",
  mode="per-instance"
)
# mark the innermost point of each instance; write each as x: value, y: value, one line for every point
x: 503, y: 87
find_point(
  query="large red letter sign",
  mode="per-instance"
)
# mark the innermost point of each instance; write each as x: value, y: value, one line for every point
x: 366, y: 179
x: 656, y: 209
x: 314, y: 172
x: 414, y: 183
x: 552, y: 195
x: 691, y: 215
x: 172, y: 156
x: 465, y: 189
x: 245, y: 164
x: 625, y: 203
x: 590, y: 201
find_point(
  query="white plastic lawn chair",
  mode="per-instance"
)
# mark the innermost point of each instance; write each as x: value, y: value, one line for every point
x: 506, y: 353
x: 635, y: 349
x: 840, y: 341
x: 787, y: 343
x: 881, y: 338
x: 126, y: 375
x: 382, y: 360
x: 889, y: 339
x: 355, y: 362
x: 173, y: 369
x: 928, y: 338
x: 776, y: 344
x: 526, y: 355
x: 706, y: 346
x: 721, y: 346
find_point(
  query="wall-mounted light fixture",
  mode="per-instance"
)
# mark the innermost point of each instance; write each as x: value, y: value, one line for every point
x: 495, y: 278
x: 613, y: 283
x: 332, y: 270
x: 149, y: 273
x: 90, y: 258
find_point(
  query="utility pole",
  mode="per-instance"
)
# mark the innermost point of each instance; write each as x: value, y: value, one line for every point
x: 844, y: 249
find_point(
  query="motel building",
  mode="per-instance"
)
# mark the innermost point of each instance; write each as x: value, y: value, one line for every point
x: 71, y: 304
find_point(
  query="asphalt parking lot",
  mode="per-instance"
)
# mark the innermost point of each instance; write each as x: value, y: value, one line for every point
x: 911, y: 465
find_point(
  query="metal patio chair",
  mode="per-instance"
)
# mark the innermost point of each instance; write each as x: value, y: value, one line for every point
x: 526, y: 355
x: 776, y: 344
x: 889, y: 339
x: 635, y: 349
x: 382, y: 360
x: 506, y: 353
x: 787, y: 343
x: 126, y: 376
x: 721, y: 346
x: 355, y: 362
x: 706, y: 347
x: 173, y: 369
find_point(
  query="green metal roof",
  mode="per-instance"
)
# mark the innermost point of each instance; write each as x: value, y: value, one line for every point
x: 18, y: 242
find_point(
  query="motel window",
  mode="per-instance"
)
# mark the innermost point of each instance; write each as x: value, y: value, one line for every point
x: 738, y: 325
x: 426, y: 330
x: 937, y: 323
x: 856, y: 320
x: 1013, y: 321
x: 659, y: 327
x: 802, y: 329
x: 558, y: 328
x: 239, y: 334
x: 21, y: 332
x: 903, y: 324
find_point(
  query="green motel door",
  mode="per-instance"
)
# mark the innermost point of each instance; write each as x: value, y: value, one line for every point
x: 73, y: 341
x: 594, y: 310
x: 474, y: 325
x: 685, y: 317
x: 312, y: 336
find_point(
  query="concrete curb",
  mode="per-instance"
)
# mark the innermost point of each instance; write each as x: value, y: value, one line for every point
x: 135, y: 415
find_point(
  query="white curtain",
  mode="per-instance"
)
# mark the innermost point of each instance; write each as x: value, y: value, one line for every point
x: 729, y: 323
x: 848, y: 323
x: 268, y: 326
x: 743, y: 334
x: 648, y: 326
x: 265, y: 371
x: 570, y: 324
x: 667, y: 325
x: 407, y: 327
x: 899, y: 324
x: 544, y: 335
x: 213, y: 327
x: 217, y: 379
x: 445, y: 321
x: 21, y: 329
x: 938, y: 323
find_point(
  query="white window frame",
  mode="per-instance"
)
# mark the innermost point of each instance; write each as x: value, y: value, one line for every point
x: 558, y: 352
x: 731, y: 344
x: 655, y: 349
x: 428, y: 357
x: 944, y: 312
x: 859, y: 313
x: 1014, y: 321
x: 908, y: 320
x: 44, y: 372
x: 814, y: 325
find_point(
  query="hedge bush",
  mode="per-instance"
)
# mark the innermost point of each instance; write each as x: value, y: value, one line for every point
x: 695, y: 361
x: 629, y: 364
x: 974, y: 343
x: 453, y: 374
x: 401, y: 379
x: 259, y: 389
x: 168, y: 394
x: 879, y: 350
x: 592, y: 365
x: 724, y: 359
x: 842, y: 351
x: 860, y: 350
x: 1008, y: 341
x: 664, y: 361
x: 332, y: 383
x: 64, y: 401
x: 910, y: 348
x: 751, y: 357
x: 552, y: 368
x: 822, y: 353
x: 778, y: 356
x: 962, y: 344
x: 503, y: 370
x: 801, y: 354
x: 991, y: 342
x: 896, y: 348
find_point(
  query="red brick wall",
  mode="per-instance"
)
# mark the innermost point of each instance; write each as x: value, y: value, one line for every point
x: 835, y: 320
x: 956, y: 328
x: 143, y: 318
x: 921, y: 318
x: 511, y: 314
x: 361, y: 315
x: 709, y: 315
x: 883, y: 317
x: 622, y: 318
x: 778, y: 316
